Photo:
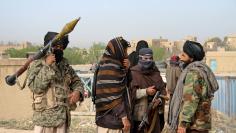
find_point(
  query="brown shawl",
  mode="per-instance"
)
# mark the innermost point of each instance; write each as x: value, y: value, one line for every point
x: 143, y: 79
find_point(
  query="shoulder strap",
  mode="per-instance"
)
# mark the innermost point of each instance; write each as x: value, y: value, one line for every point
x: 94, y: 84
x: 25, y: 81
x: 24, y: 84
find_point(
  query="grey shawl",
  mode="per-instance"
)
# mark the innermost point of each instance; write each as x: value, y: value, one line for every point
x: 176, y: 101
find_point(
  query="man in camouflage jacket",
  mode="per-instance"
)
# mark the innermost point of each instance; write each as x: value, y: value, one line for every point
x: 190, y: 107
x: 55, y: 87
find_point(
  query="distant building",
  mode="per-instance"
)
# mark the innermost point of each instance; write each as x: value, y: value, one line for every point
x: 4, y: 47
x: 159, y: 42
x: 170, y: 46
x: 133, y: 44
x: 211, y: 46
x: 190, y: 38
x: 231, y: 40
x: 221, y: 62
x: 179, y: 44
x: 4, y: 55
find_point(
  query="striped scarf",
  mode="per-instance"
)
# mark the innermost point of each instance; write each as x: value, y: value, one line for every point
x: 111, y: 77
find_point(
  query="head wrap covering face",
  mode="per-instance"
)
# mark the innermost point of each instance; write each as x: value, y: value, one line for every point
x: 111, y: 76
x: 146, y: 65
x: 50, y: 35
x: 141, y: 44
x: 116, y: 49
x: 134, y: 56
x: 194, y: 50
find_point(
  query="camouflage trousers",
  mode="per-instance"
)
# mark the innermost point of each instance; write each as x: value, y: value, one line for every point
x: 166, y: 129
x: 60, y: 129
x: 107, y: 130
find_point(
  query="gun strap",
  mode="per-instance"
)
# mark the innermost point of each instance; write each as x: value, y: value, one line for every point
x: 98, y: 117
x: 24, y: 84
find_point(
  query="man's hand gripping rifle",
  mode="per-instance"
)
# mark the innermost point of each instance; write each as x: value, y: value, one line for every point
x: 155, y: 102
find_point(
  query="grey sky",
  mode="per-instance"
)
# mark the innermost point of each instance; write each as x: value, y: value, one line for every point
x: 29, y: 20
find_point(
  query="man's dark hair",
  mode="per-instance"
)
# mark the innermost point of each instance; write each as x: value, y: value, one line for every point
x: 141, y: 44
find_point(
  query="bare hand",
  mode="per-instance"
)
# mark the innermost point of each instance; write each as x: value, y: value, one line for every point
x: 74, y: 97
x: 126, y: 124
x: 151, y: 91
x: 50, y: 59
x: 181, y: 130
x: 126, y: 63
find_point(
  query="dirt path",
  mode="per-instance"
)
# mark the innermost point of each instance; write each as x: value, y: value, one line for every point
x: 4, y: 130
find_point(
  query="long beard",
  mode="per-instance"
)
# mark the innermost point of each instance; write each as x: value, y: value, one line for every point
x: 58, y: 55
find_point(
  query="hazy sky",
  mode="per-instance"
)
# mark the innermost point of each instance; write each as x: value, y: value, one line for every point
x: 29, y: 20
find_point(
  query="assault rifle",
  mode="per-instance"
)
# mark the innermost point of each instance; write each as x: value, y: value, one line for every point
x: 150, y: 107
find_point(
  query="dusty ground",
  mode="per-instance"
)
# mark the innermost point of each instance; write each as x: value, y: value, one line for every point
x: 83, y: 122
x: 4, y: 130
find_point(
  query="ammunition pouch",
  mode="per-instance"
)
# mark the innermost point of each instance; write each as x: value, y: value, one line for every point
x: 50, y: 100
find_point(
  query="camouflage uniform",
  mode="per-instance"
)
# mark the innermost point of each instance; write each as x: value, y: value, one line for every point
x: 195, y: 111
x: 51, y: 86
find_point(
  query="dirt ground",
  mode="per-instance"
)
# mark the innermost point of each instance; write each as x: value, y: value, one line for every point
x: 83, y: 122
x: 4, y: 130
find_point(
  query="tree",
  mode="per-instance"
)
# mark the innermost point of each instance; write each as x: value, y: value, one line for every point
x: 74, y: 55
x: 21, y: 53
x: 95, y: 52
x: 159, y: 53
x: 217, y: 40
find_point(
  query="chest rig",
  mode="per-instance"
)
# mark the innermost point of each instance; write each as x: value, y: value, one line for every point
x: 57, y: 92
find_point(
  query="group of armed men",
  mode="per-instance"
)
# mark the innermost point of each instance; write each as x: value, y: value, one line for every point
x: 128, y: 91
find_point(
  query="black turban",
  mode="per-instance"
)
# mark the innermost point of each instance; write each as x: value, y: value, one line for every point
x: 141, y: 44
x: 50, y: 35
x: 194, y: 50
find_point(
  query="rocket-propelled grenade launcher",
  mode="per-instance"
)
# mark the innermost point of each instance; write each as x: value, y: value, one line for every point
x: 11, y: 79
